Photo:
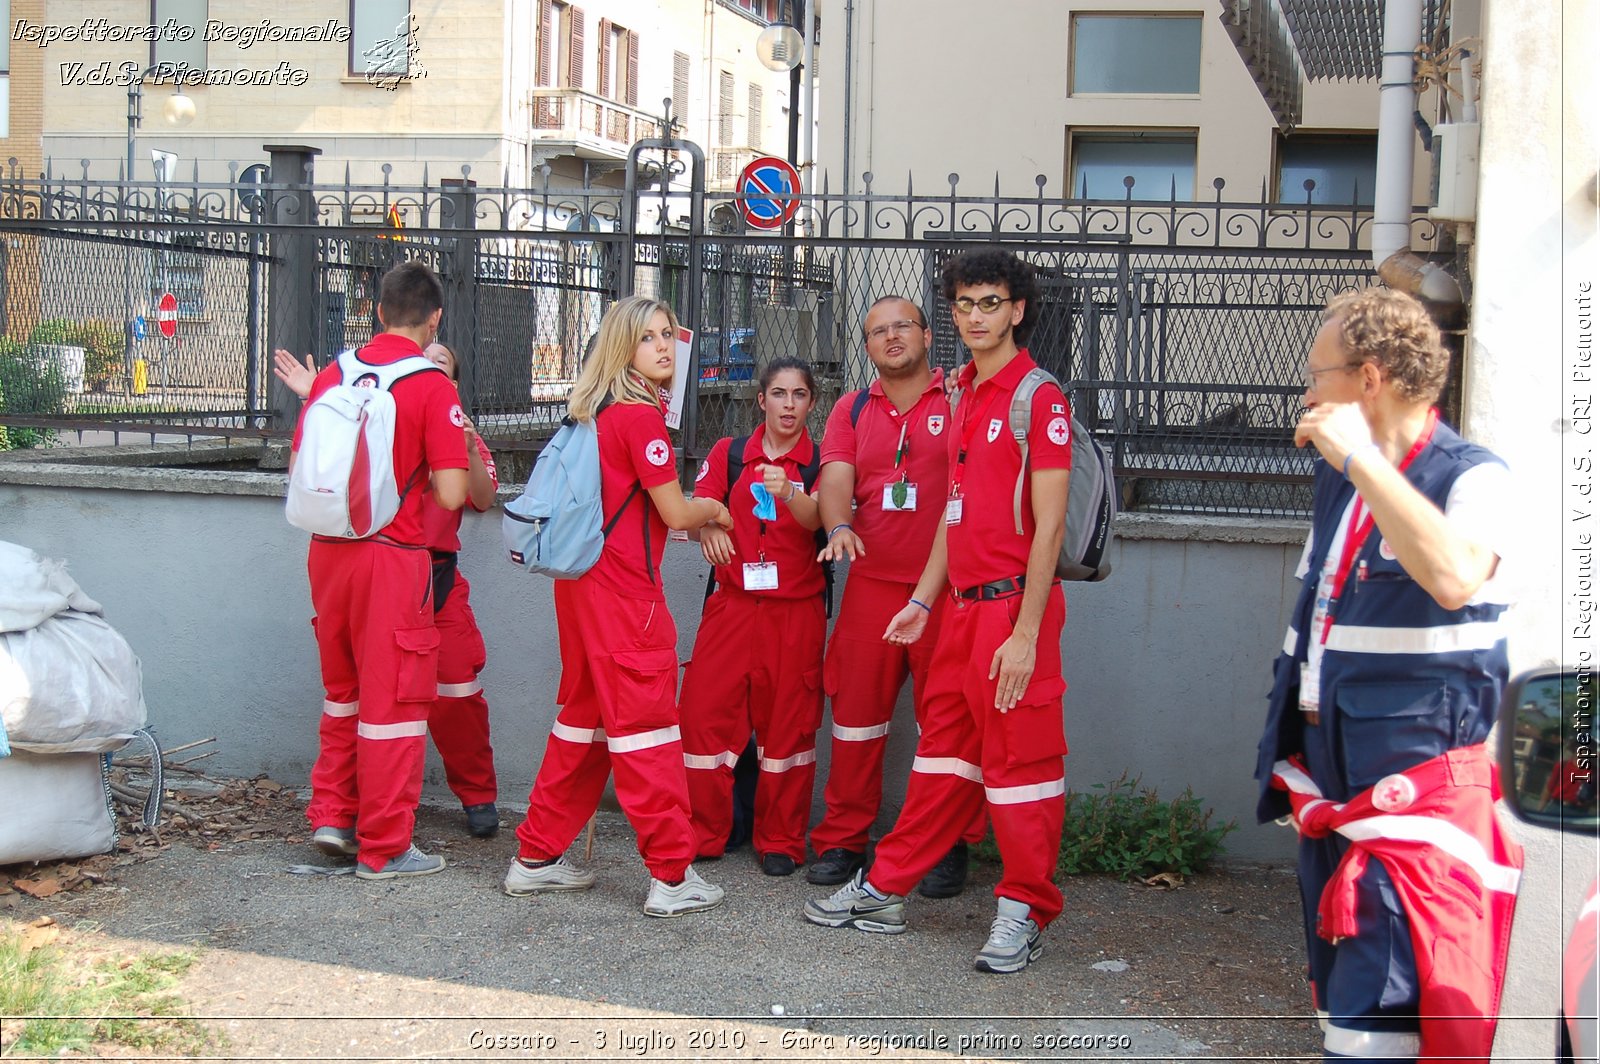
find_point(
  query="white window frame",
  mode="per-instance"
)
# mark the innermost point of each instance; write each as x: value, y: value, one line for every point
x: 1199, y: 18
x: 1097, y: 135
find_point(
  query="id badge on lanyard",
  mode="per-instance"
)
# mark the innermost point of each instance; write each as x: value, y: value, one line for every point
x: 761, y: 576
x: 901, y: 496
x: 952, y: 510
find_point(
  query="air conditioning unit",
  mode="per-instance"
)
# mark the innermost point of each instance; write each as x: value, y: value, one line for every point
x: 1455, y: 155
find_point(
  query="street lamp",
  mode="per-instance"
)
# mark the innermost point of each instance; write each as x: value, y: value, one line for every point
x: 177, y: 110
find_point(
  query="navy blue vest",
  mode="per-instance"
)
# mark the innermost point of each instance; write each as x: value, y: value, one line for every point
x: 1403, y: 679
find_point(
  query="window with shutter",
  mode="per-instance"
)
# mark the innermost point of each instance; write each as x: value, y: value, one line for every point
x: 574, y: 71
x: 544, y: 47
x: 680, y: 86
x: 724, y: 109
x: 603, y: 58
x: 631, y: 95
x: 753, y: 131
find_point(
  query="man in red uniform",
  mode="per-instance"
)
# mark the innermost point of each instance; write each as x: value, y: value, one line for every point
x: 374, y: 608
x: 992, y: 732
x: 886, y: 449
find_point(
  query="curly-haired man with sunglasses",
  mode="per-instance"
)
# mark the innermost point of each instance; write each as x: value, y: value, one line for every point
x: 992, y: 712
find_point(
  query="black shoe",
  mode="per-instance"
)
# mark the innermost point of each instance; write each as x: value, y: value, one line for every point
x: 834, y: 866
x: 777, y: 864
x: 482, y: 820
x: 948, y: 877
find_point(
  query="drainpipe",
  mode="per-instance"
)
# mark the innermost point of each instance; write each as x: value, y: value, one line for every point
x: 849, y: 82
x: 1392, y: 257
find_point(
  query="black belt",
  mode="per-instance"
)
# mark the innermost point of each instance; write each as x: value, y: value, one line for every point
x: 997, y: 589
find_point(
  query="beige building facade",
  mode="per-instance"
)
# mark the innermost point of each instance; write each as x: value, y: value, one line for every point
x: 505, y: 87
x: 1082, y: 93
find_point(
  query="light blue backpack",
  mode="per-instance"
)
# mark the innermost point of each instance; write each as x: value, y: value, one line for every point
x: 556, y: 526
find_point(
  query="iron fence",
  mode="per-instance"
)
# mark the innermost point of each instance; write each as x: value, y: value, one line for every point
x: 1179, y: 328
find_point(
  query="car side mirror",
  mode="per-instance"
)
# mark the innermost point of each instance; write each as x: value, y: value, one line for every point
x: 1548, y: 752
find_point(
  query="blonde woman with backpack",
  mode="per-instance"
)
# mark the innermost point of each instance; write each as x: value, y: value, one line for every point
x: 619, y: 660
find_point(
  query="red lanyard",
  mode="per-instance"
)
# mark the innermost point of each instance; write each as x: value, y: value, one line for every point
x: 969, y: 425
x: 1361, y: 524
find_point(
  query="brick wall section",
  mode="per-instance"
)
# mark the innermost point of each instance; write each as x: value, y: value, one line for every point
x: 20, y: 255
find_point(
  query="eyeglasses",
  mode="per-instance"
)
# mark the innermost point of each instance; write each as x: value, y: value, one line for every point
x: 1309, y: 377
x: 988, y: 304
x: 898, y: 328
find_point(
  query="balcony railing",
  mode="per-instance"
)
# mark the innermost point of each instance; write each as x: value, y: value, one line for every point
x: 595, y: 125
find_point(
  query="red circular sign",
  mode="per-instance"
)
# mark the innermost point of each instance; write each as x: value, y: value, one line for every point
x: 167, y: 314
x: 768, y: 193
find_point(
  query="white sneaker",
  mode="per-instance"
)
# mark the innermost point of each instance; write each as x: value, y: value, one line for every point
x: 1013, y: 940
x: 693, y: 895
x: 558, y: 875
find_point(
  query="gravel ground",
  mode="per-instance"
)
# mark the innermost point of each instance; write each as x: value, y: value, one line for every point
x: 315, y: 967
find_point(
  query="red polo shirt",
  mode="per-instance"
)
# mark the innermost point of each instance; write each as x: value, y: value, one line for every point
x: 791, y: 547
x: 634, y: 449
x: 898, y: 541
x: 427, y: 430
x: 441, y: 528
x: 984, y: 546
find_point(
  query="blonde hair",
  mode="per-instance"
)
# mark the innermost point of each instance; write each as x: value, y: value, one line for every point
x: 1394, y: 332
x: 608, y: 370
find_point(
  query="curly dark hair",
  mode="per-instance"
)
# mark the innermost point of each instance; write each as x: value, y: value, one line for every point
x: 1394, y: 332
x: 994, y: 266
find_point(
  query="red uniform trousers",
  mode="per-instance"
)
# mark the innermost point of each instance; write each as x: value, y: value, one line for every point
x: 757, y: 663
x: 619, y: 716
x: 379, y: 652
x: 459, y: 722
x: 971, y: 753
x: 863, y: 676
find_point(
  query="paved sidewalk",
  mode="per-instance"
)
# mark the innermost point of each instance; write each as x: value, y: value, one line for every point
x: 447, y: 967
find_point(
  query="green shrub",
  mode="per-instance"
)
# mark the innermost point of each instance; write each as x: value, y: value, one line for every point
x: 102, y: 343
x: 1126, y: 831
x: 29, y: 386
x: 52, y: 331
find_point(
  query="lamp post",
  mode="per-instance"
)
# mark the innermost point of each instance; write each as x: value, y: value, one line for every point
x: 177, y: 110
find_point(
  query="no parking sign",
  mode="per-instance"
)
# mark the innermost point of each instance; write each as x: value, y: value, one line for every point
x: 769, y: 193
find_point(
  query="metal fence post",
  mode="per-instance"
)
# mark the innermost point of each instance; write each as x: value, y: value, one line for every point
x: 457, y: 212
x: 292, y: 270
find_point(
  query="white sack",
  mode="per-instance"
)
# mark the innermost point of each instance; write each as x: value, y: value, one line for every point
x: 71, y: 684
x: 55, y: 807
x: 34, y: 588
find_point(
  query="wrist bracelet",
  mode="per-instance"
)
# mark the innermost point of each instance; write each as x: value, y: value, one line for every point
x: 918, y: 602
x: 790, y: 497
x: 842, y: 524
x: 1359, y: 450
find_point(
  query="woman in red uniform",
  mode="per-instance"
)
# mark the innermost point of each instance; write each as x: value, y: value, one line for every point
x: 758, y: 654
x: 619, y: 660
x: 459, y: 719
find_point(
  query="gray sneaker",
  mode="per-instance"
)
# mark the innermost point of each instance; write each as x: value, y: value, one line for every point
x: 413, y: 862
x: 1013, y: 940
x: 859, y: 905
x: 693, y: 895
x: 335, y: 842
x: 559, y: 875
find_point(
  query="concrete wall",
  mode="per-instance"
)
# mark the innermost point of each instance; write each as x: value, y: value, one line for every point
x: 211, y: 591
x: 1529, y: 387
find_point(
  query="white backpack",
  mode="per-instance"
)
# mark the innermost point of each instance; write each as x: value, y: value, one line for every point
x: 343, y: 482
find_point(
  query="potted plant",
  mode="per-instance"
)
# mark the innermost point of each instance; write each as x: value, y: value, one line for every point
x: 102, y: 343
x: 54, y: 341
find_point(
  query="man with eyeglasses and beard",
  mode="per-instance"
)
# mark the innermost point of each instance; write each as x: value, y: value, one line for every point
x: 1384, y: 692
x: 885, y: 450
x: 992, y: 734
